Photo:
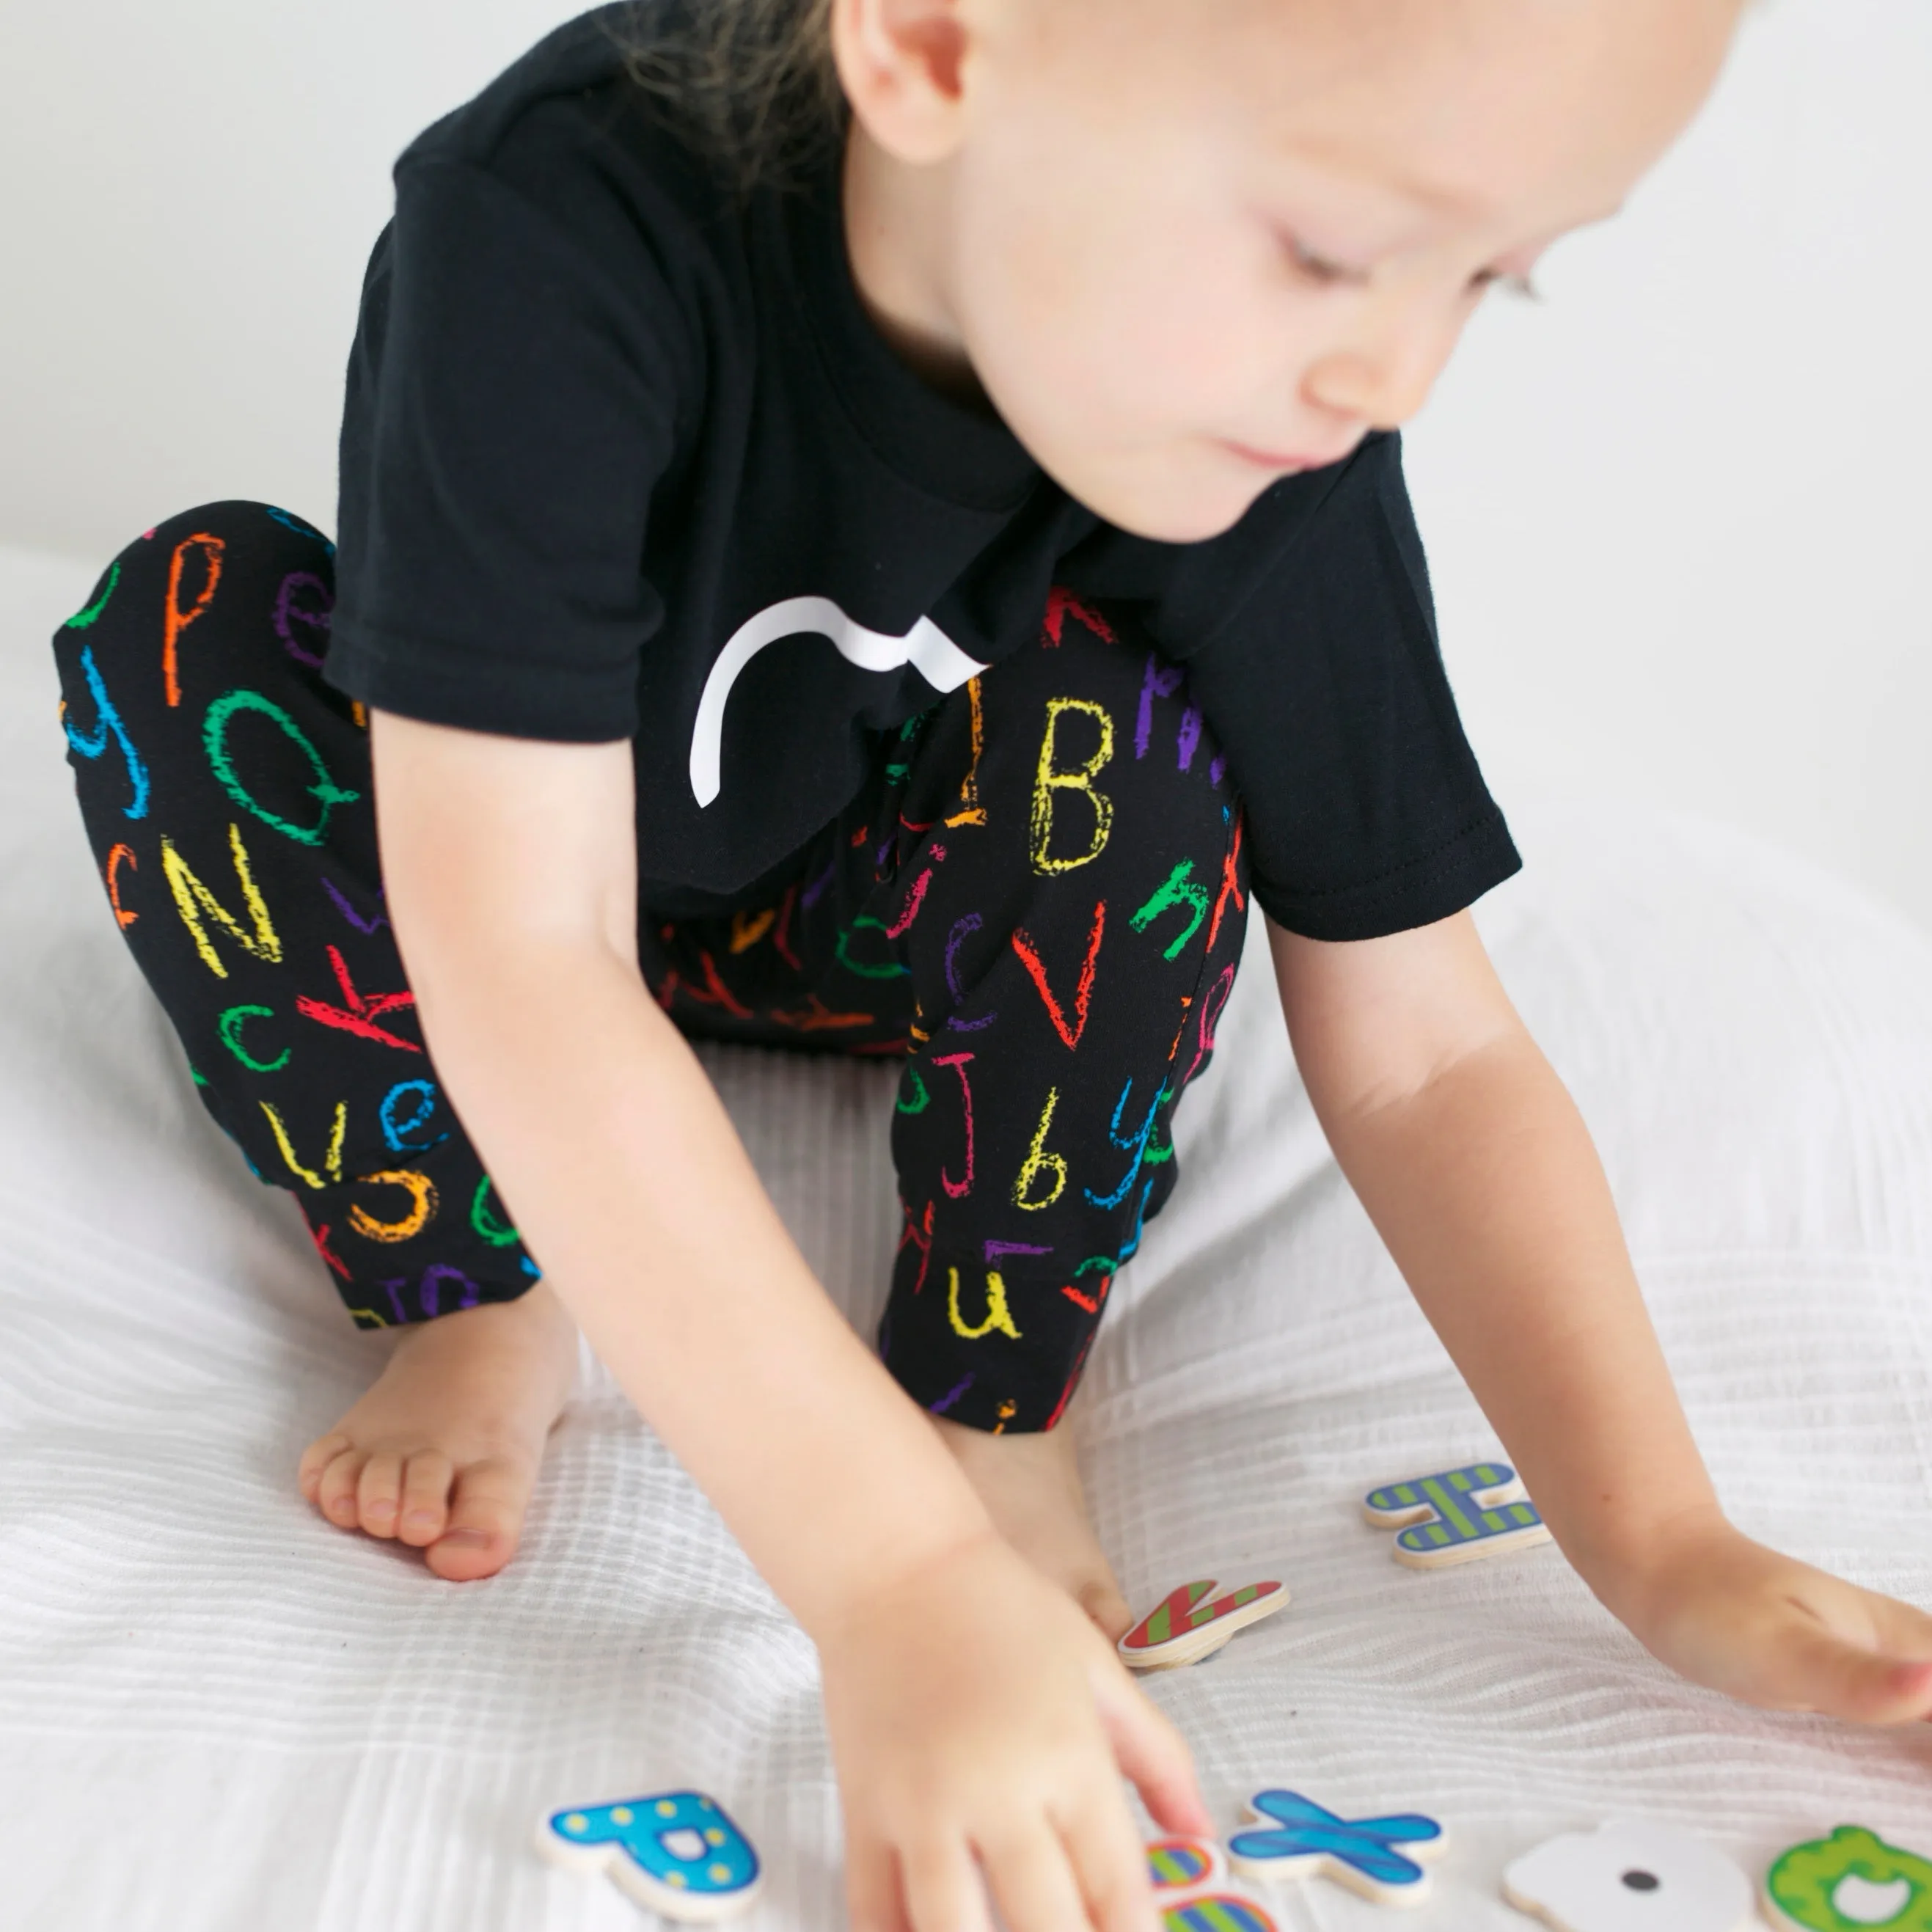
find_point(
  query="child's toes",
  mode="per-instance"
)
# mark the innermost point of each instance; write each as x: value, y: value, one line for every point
x: 425, y: 1497
x: 485, y: 1521
x: 379, y: 1492
x: 335, y: 1492
x: 316, y: 1458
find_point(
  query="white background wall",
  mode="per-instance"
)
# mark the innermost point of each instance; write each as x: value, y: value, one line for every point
x: 1679, y: 515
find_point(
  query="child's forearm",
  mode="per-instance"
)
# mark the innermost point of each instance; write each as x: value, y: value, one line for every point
x: 1480, y: 1177
x: 1489, y: 1194
x: 630, y: 1185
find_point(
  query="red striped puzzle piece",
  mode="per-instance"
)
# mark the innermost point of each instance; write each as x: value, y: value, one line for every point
x: 1190, y: 1622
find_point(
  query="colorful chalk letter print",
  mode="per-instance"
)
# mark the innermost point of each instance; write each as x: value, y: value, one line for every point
x: 1382, y: 1858
x: 1456, y: 1515
x: 674, y: 1852
x: 1191, y: 1622
x: 1630, y: 1877
x: 1190, y: 1877
x: 1852, y: 1882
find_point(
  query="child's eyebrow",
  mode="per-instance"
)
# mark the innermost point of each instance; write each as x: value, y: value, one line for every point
x: 1403, y: 202
x: 1352, y: 172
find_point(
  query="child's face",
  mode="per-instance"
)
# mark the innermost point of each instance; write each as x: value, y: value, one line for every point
x: 1189, y: 245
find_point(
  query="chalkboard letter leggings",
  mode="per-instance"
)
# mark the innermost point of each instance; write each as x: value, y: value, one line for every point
x: 1036, y: 904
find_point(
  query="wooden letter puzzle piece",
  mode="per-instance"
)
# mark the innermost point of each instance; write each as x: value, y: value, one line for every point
x: 1192, y: 1890
x: 1852, y: 1882
x: 1630, y: 1877
x: 1184, y: 1628
x: 674, y: 1852
x: 1304, y: 1840
x: 1456, y: 1515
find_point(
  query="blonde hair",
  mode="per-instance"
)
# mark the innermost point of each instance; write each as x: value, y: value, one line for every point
x: 750, y: 82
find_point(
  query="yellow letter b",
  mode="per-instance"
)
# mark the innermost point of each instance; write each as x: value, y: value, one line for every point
x: 1050, y: 779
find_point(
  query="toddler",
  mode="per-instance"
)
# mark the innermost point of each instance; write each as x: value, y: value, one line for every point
x: 878, y: 527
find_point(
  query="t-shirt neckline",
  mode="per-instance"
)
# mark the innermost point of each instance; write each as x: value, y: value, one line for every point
x: 945, y: 448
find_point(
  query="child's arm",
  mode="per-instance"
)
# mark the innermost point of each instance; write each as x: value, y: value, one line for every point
x: 971, y: 1706
x: 1476, y: 1169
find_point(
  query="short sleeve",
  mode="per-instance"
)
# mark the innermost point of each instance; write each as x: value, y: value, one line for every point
x: 1366, y: 812
x: 512, y: 405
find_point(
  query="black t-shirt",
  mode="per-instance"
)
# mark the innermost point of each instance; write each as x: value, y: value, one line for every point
x: 623, y: 457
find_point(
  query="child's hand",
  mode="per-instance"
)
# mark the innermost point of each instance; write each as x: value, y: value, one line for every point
x: 1729, y: 1613
x: 977, y: 1718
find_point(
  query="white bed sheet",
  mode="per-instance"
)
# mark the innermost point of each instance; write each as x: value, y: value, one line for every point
x: 217, y: 1714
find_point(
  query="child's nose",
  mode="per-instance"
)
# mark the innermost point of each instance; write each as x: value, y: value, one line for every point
x: 1381, y: 390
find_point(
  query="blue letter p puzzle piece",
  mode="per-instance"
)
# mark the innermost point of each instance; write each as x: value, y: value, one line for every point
x: 1308, y: 1841
x: 675, y: 1852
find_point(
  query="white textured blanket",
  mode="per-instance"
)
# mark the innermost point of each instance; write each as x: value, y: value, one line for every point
x: 217, y: 1714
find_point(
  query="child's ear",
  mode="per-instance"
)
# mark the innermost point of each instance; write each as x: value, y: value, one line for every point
x: 901, y: 63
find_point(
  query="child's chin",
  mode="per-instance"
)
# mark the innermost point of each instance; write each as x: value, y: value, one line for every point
x: 1194, y: 502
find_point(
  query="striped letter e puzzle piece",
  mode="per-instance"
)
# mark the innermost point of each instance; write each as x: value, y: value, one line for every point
x: 674, y: 1852
x: 1456, y: 1515
x: 1192, y: 1892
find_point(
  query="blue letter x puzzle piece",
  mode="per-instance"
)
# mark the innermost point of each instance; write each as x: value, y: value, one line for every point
x: 1358, y: 1852
x: 675, y: 1852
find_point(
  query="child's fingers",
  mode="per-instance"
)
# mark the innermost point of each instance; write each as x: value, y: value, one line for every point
x: 940, y: 1887
x: 1905, y: 1634
x: 1909, y: 1693
x: 1151, y: 1753
x: 874, y: 1901
x: 1110, y: 1862
x: 1903, y: 1630
x: 1031, y: 1878
x: 1829, y: 1674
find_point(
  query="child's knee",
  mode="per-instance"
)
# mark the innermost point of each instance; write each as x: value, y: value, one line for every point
x: 244, y: 586
x: 1092, y: 736
x: 227, y: 605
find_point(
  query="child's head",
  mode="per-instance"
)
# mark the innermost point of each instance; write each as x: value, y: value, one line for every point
x: 1187, y: 244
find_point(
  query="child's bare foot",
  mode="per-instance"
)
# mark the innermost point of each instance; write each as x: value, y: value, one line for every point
x: 1030, y: 1485
x: 443, y: 1451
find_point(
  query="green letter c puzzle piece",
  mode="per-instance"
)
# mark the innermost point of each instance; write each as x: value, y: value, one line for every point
x: 1803, y: 1888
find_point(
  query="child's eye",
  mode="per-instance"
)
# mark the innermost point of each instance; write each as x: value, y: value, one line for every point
x: 1317, y: 268
x: 1521, y: 287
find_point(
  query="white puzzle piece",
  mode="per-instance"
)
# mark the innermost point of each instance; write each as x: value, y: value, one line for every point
x: 1630, y: 1876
